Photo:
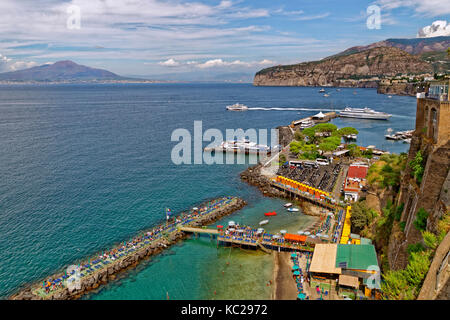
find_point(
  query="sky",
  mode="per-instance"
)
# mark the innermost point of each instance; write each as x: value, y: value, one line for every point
x: 200, y: 39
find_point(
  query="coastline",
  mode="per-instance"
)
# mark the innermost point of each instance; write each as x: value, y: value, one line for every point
x: 121, y: 264
x: 284, y: 287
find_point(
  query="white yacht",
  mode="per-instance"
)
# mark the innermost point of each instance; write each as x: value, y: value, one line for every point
x: 237, y: 107
x: 364, y: 113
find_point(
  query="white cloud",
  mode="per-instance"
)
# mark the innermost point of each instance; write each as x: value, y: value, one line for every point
x: 431, y: 8
x: 312, y: 17
x: 8, y: 64
x: 169, y: 63
x: 437, y: 28
x: 215, y: 63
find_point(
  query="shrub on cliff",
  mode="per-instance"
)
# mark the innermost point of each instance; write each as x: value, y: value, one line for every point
x: 417, y: 166
x: 421, y: 219
x: 405, y: 284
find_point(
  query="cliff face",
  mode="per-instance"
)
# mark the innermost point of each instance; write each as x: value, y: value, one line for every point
x: 412, y: 46
x: 334, y: 71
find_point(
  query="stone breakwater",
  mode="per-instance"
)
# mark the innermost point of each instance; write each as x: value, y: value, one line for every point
x: 110, y: 271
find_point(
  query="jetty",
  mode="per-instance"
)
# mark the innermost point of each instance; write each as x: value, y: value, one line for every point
x: 247, y: 237
x: 89, y: 274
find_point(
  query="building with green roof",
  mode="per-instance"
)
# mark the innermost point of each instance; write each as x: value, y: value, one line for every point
x: 356, y: 257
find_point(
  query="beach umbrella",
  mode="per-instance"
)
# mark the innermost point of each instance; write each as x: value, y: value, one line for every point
x: 293, y: 255
x: 307, y: 233
x: 231, y: 223
x: 295, y: 267
x: 301, y: 296
x: 296, y: 273
x: 300, y: 232
x: 325, y: 236
x: 283, y: 231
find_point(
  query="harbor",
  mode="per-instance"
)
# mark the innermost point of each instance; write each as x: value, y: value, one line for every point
x: 97, y: 270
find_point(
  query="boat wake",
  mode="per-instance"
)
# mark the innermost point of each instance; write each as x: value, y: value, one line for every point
x: 290, y: 109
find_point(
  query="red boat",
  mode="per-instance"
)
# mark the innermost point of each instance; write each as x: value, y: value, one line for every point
x: 270, y: 214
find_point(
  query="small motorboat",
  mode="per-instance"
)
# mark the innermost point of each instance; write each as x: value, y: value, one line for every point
x: 288, y: 205
x: 270, y: 214
x: 264, y: 222
x: 293, y: 209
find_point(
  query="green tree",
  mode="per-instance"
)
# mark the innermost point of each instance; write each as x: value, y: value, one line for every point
x: 361, y: 217
x: 347, y: 130
x: 417, y: 166
x: 299, y: 136
x: 421, y: 219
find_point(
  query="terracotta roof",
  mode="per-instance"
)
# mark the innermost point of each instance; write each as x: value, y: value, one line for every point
x: 356, y: 171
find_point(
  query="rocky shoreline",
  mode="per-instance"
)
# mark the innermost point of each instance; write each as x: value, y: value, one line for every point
x: 107, y: 274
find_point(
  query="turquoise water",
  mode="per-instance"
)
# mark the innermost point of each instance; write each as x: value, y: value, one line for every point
x: 87, y: 166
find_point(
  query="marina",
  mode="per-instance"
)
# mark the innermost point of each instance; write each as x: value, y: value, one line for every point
x: 404, y: 136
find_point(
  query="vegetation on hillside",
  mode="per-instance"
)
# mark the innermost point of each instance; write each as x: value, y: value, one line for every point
x: 310, y: 143
x: 417, y: 166
x: 387, y: 171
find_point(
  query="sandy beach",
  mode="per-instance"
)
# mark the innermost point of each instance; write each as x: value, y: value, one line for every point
x: 284, y: 284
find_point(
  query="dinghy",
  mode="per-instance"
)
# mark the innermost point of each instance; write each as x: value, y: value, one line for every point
x: 264, y: 222
x: 269, y: 214
x: 288, y: 205
x: 292, y: 210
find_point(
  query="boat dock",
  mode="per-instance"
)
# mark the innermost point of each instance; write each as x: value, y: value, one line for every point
x: 247, y: 237
x: 83, y: 276
x: 318, y: 118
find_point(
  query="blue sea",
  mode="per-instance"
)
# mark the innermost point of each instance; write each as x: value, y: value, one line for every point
x: 83, y: 167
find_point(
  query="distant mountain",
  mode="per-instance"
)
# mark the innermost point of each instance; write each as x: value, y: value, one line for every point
x: 345, y: 70
x: 60, y: 71
x: 413, y: 46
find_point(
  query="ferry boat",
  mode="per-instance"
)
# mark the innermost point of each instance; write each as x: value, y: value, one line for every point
x: 237, y: 107
x: 244, y: 146
x: 306, y: 124
x: 364, y: 113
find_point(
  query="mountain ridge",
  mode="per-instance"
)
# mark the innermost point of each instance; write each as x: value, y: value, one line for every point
x: 65, y: 70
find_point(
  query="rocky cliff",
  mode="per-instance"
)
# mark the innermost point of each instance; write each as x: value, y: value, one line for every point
x: 338, y: 70
x: 412, y: 46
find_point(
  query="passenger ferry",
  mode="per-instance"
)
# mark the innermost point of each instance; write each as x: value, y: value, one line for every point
x: 306, y: 124
x: 364, y: 113
x: 237, y: 107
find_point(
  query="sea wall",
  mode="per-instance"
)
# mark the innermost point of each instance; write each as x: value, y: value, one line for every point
x: 107, y: 274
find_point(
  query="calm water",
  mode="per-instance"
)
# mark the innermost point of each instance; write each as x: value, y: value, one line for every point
x: 85, y: 166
